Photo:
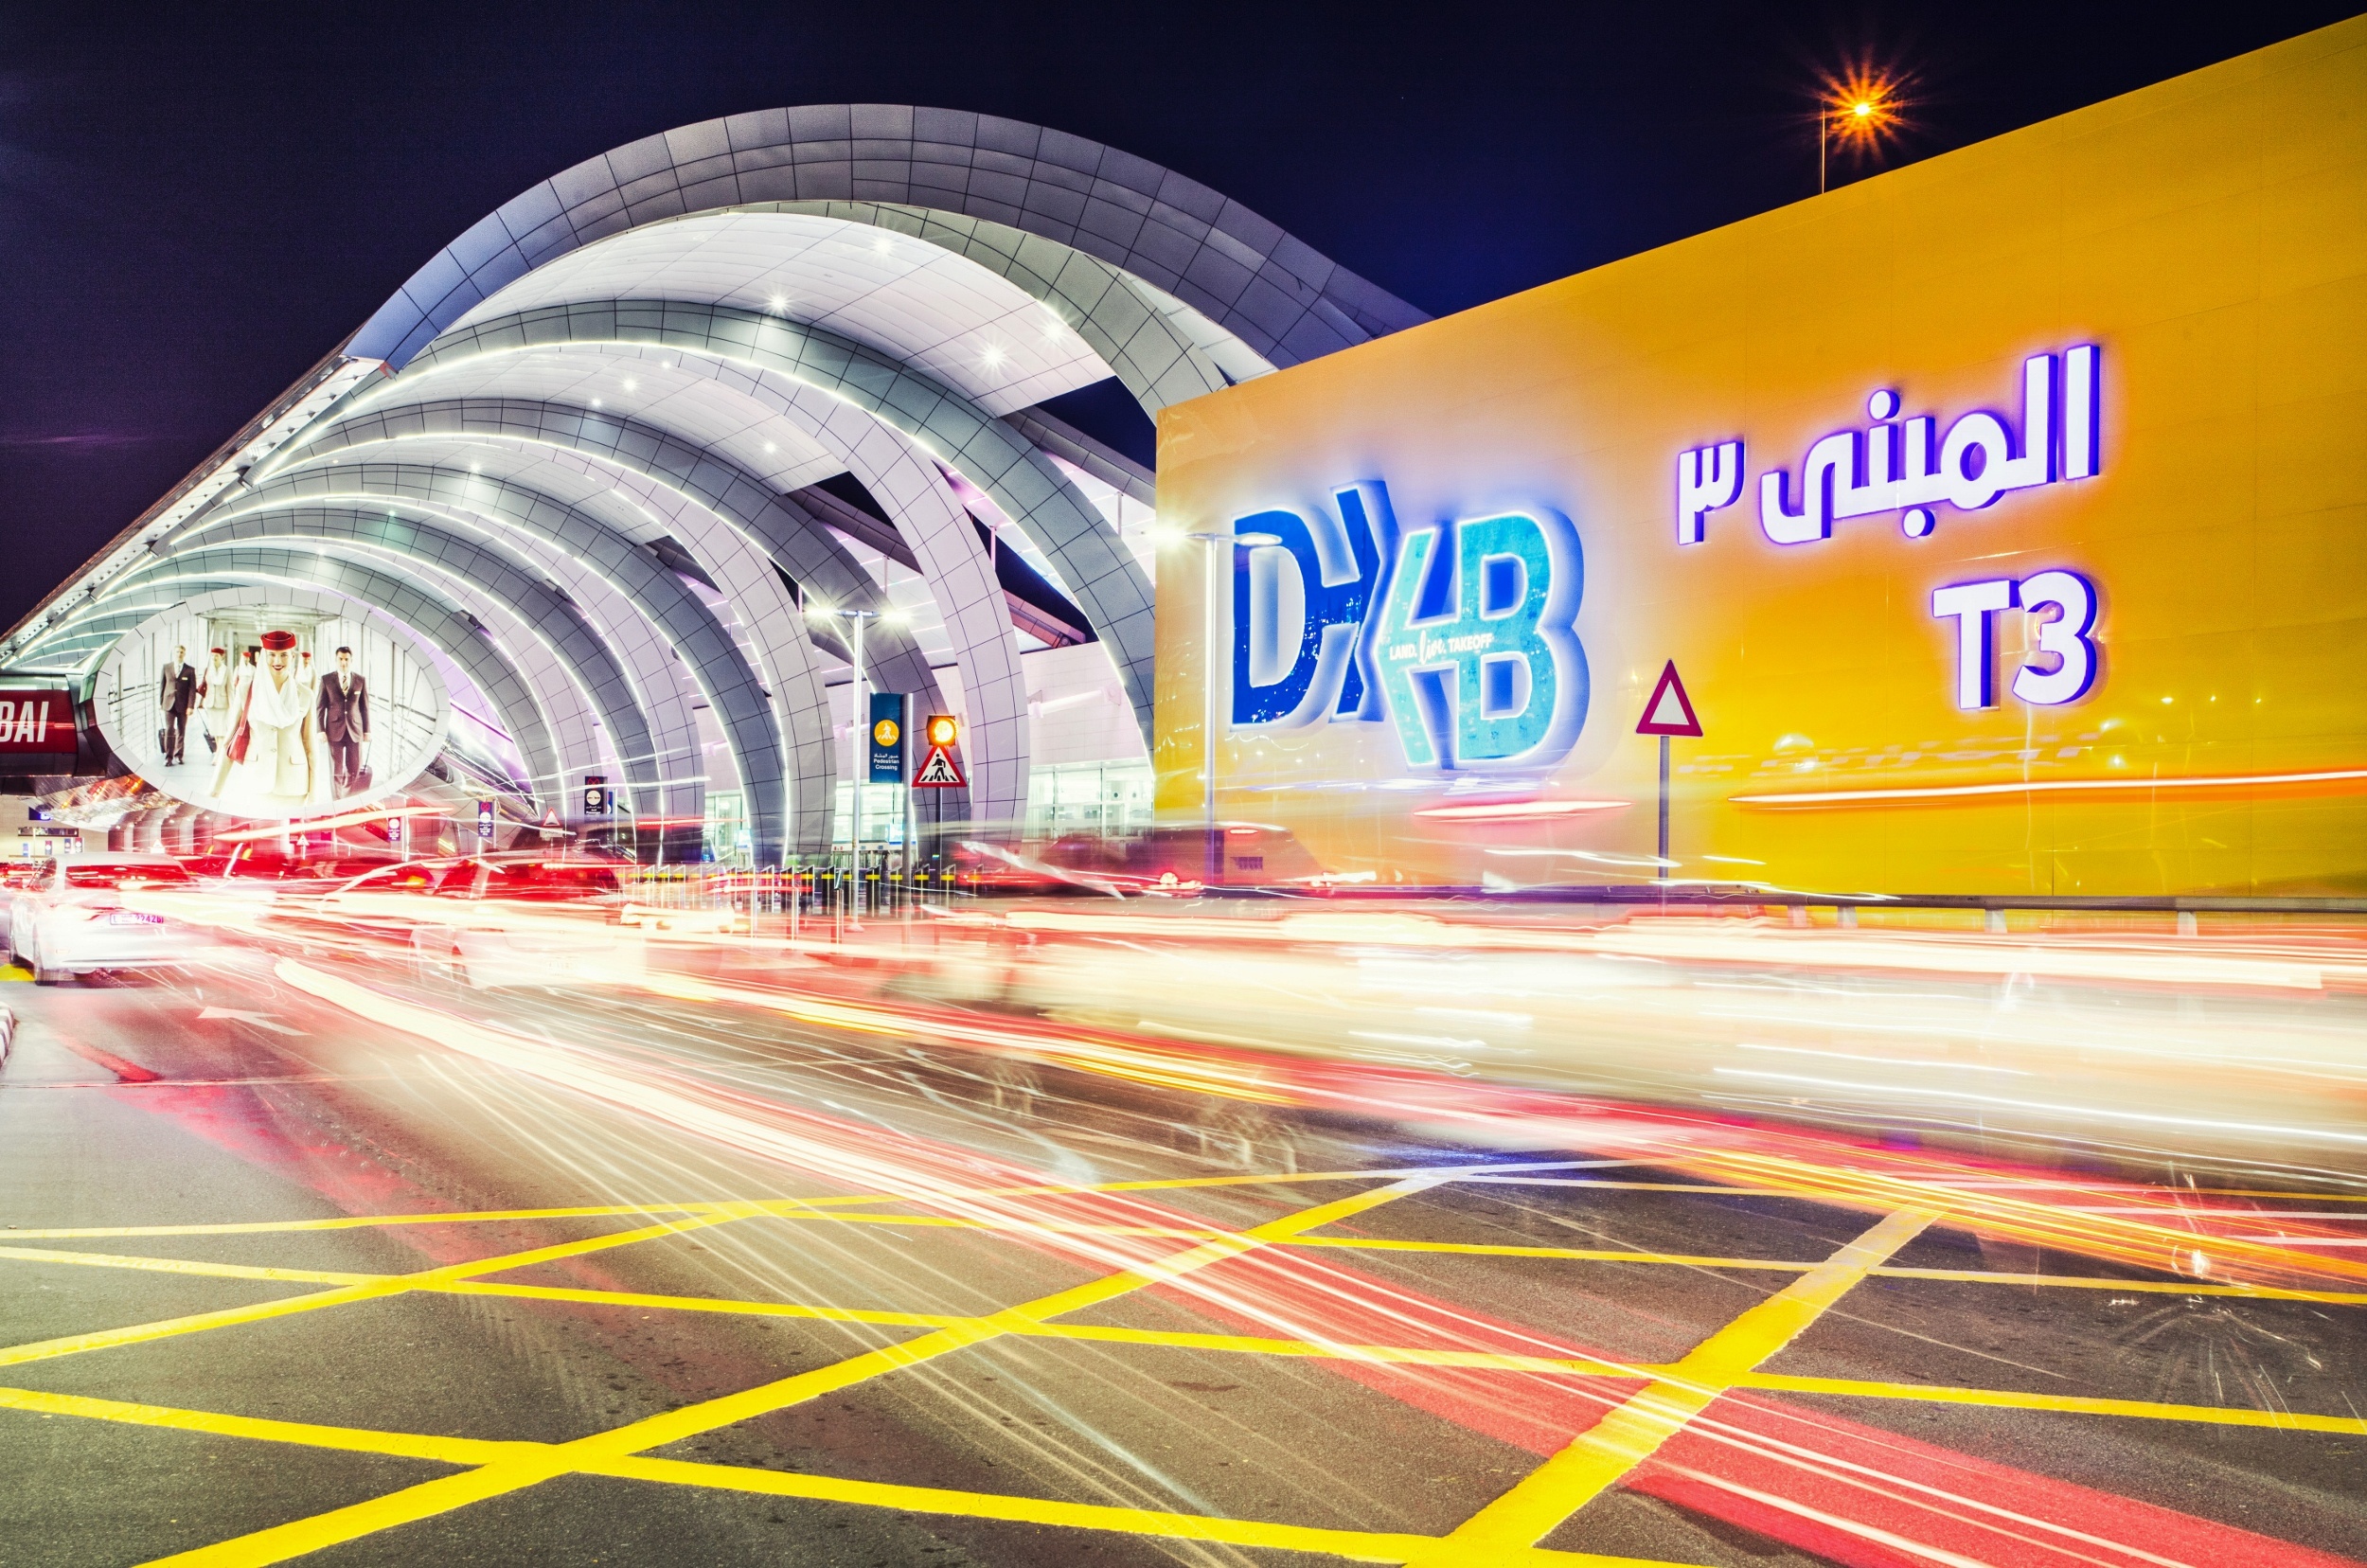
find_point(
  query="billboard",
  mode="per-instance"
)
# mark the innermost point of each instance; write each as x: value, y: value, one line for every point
x: 257, y: 709
x: 36, y: 724
x: 2006, y: 516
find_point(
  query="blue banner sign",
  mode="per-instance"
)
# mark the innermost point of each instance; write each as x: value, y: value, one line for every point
x: 886, y: 741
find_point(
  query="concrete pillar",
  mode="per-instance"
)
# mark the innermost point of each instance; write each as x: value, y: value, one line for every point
x: 181, y: 830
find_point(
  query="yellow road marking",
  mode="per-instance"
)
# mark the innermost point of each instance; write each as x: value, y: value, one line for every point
x: 1367, y: 1545
x: 1489, y: 1361
x: 1064, y: 1228
x: 1176, y: 1338
x: 185, y: 1266
x: 785, y: 1205
x: 2148, y: 1242
x: 356, y: 1222
x: 2139, y: 1287
x: 1356, y: 1546
x: 364, y: 1221
x: 195, y: 1322
x: 381, y: 1286
x: 1717, y: 1190
x: 2072, y: 1403
x: 399, y: 1445
x: 445, y: 1493
x: 706, y: 1304
x: 763, y: 1209
x: 697, y: 1216
x: 737, y: 1208
x: 1494, y: 1360
x: 1589, y: 1255
x: 1598, y: 1458
x: 1974, y: 1277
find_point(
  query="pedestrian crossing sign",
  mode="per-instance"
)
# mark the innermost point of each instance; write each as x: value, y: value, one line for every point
x: 938, y: 771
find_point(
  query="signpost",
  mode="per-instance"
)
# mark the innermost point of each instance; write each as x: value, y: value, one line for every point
x: 938, y: 771
x: 1667, y: 713
x: 887, y: 749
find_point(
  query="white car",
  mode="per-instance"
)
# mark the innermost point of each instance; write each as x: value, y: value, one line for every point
x: 87, y: 916
x: 524, y: 921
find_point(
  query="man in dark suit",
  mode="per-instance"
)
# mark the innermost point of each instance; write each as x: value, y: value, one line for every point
x: 344, y: 711
x: 176, y: 693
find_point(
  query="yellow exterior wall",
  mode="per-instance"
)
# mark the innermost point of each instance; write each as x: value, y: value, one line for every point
x: 2209, y: 233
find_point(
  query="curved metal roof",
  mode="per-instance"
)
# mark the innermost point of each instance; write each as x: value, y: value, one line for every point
x: 619, y: 438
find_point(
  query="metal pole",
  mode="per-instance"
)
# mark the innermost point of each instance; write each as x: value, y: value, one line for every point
x: 1208, y: 713
x: 858, y: 773
x: 1228, y: 542
x: 1664, y: 819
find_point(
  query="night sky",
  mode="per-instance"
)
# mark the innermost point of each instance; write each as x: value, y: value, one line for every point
x: 198, y: 203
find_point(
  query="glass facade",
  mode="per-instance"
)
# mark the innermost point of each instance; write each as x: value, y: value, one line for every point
x: 1109, y: 798
x: 883, y: 815
x: 726, y: 841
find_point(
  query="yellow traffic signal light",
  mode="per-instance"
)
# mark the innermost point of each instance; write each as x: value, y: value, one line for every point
x: 942, y: 729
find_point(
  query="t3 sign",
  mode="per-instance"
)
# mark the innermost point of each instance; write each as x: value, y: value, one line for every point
x: 1899, y: 463
x: 1456, y: 634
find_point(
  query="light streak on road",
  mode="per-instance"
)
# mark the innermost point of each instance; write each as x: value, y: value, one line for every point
x: 1619, y: 1035
x: 1814, y: 1482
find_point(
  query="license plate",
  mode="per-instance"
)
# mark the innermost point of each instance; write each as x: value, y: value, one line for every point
x: 128, y: 917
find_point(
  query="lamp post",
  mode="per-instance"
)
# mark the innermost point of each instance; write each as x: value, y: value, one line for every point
x: 858, y: 729
x: 1865, y: 111
x: 1208, y: 684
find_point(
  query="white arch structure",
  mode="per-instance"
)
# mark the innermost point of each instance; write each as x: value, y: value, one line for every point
x: 576, y: 454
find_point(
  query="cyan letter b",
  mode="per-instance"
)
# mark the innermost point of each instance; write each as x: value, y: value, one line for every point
x: 1499, y: 679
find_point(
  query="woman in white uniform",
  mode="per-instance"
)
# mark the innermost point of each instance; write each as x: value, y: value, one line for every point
x: 267, y: 768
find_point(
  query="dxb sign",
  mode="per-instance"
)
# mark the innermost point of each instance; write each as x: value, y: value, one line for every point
x: 1456, y: 634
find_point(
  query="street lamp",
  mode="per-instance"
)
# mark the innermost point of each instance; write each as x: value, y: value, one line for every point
x: 1857, y: 110
x: 1208, y: 684
x: 857, y: 729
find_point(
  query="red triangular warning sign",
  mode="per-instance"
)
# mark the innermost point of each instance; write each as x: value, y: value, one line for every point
x: 939, y: 772
x: 1670, y: 711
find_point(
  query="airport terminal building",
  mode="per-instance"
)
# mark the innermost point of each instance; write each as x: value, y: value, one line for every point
x: 621, y: 471
x: 1995, y: 526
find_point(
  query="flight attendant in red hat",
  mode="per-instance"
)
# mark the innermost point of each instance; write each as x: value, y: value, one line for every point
x: 267, y: 768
